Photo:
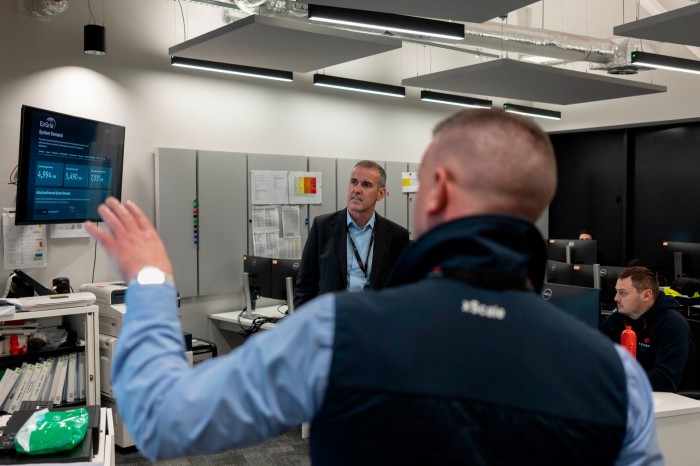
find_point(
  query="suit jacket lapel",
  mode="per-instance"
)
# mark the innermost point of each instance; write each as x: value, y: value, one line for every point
x: 341, y: 239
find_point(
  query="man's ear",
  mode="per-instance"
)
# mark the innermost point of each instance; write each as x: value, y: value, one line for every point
x: 436, y: 196
x: 381, y: 193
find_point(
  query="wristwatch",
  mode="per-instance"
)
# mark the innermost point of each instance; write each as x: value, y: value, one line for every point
x: 150, y: 275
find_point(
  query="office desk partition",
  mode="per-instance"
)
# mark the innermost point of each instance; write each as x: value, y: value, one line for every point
x: 678, y: 427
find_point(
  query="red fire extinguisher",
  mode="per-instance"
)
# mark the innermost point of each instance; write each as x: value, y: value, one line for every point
x: 628, y: 339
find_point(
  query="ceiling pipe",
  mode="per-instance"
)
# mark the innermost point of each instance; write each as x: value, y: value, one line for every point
x: 606, y: 54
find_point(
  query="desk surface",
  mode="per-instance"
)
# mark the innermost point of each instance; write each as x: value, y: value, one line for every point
x: 671, y: 404
x: 230, y: 320
x: 677, y: 425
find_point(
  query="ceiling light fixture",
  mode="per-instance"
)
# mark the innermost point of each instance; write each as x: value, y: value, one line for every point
x: 94, y: 35
x: 94, y: 39
x: 228, y: 68
x: 450, y: 99
x: 655, y: 60
x: 532, y: 111
x: 359, y: 86
x: 387, y: 22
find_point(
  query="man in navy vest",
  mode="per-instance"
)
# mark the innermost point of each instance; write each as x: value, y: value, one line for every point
x: 456, y: 361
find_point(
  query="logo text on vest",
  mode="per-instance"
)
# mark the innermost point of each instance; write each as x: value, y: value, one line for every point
x: 479, y: 309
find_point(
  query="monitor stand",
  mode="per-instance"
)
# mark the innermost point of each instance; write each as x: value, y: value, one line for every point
x: 289, y: 282
x: 677, y: 265
x: 248, y: 300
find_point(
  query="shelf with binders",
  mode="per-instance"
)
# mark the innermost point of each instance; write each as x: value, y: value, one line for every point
x: 60, y: 367
x: 14, y: 360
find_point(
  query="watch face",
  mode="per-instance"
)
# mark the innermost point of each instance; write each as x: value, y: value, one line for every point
x: 150, y: 276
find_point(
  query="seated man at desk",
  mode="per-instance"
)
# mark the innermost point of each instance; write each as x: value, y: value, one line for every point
x: 664, y: 341
x: 353, y: 248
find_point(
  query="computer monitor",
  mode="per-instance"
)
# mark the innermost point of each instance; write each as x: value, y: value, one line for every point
x: 580, y: 302
x: 584, y: 251
x: 584, y: 275
x: 680, y: 260
x: 559, y: 272
x: 259, y: 273
x: 579, y: 251
x: 67, y: 167
x: 281, y: 269
x: 608, y: 280
x: 556, y: 249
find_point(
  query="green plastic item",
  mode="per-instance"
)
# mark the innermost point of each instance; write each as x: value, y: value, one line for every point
x: 52, y: 431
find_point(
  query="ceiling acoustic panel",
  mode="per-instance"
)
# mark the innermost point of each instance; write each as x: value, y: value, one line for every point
x: 457, y: 10
x: 679, y: 26
x: 282, y: 44
x: 512, y: 79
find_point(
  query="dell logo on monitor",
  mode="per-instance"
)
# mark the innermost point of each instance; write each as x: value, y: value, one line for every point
x: 546, y: 294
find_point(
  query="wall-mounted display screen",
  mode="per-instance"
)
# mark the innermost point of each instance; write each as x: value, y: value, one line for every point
x: 68, y: 165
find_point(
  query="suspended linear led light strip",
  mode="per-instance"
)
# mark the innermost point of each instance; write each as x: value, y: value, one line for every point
x: 241, y: 70
x: 665, y: 62
x: 359, y: 86
x: 450, y: 99
x: 387, y: 22
x: 531, y: 111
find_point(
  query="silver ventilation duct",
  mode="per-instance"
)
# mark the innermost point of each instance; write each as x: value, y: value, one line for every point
x: 605, y: 54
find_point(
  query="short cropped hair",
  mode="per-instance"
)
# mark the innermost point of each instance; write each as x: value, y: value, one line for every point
x: 642, y: 279
x: 504, y: 161
x: 537, y: 138
x: 372, y: 164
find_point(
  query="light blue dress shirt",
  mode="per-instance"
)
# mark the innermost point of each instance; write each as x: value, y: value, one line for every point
x: 362, y: 238
x: 276, y: 380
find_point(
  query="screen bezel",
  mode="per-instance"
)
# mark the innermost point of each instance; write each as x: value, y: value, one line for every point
x: 27, y: 157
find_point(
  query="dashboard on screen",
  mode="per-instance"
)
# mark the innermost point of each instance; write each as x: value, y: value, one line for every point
x: 67, y: 167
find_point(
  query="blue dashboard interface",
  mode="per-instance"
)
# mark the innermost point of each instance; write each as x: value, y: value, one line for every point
x: 68, y: 166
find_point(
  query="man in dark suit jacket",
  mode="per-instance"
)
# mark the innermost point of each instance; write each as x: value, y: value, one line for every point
x: 353, y: 248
